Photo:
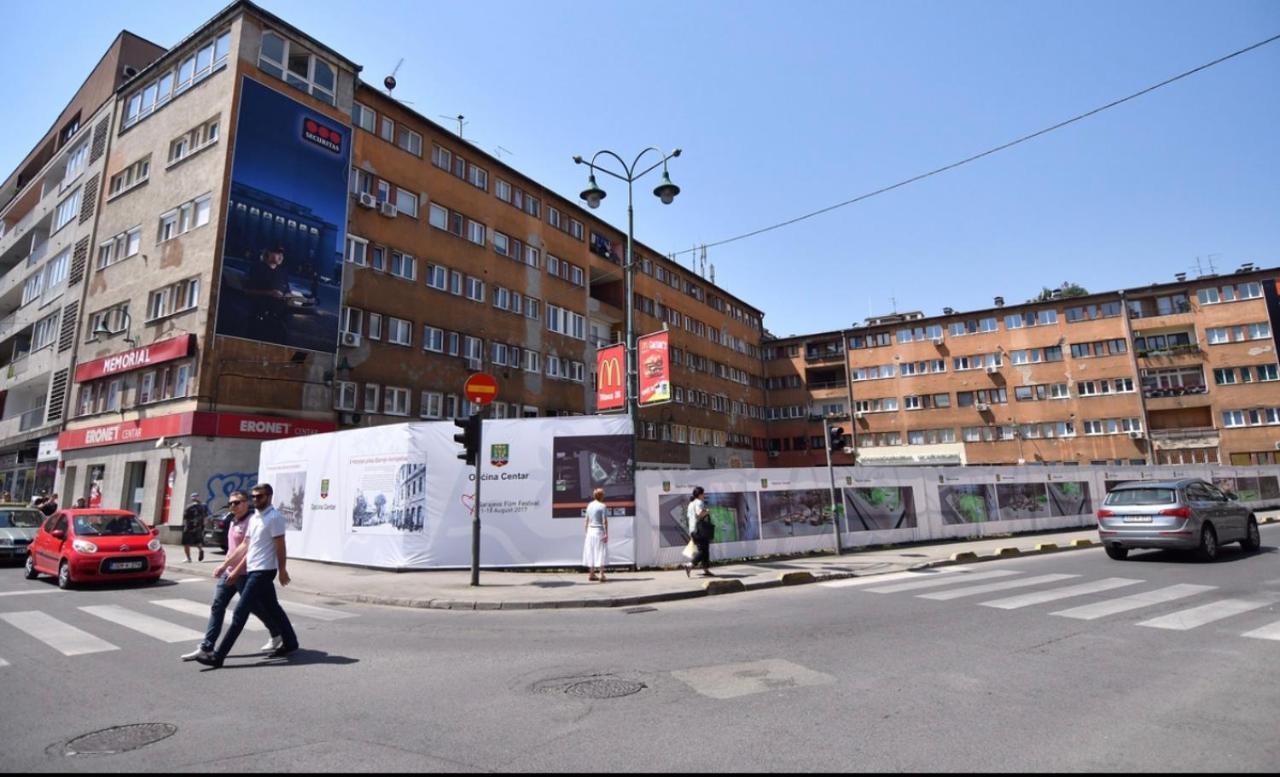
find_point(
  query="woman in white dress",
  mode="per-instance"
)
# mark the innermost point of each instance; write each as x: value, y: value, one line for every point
x: 595, y: 548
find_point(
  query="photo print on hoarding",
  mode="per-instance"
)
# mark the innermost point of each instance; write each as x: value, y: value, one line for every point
x: 389, y: 494
x: 974, y: 503
x: 582, y: 464
x: 734, y: 514
x: 1070, y: 498
x: 286, y: 223
x: 879, y: 508
x: 795, y: 513
x: 1022, y: 500
x: 289, y: 493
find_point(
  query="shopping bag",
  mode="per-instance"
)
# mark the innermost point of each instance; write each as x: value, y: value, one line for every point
x: 690, y: 550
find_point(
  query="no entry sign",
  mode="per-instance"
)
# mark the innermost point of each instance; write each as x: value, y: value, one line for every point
x: 481, y: 388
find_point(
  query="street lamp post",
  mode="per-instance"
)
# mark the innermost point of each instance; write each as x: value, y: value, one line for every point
x: 593, y: 194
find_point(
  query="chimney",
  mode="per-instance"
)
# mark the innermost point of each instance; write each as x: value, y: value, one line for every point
x: 999, y: 302
x: 1181, y: 276
x: 948, y: 311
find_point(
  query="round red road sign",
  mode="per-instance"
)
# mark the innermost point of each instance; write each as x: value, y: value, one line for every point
x: 481, y: 388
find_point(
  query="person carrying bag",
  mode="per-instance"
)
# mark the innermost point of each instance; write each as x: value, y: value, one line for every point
x: 701, y: 532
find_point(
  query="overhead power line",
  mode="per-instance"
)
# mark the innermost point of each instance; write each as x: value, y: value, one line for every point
x: 988, y: 152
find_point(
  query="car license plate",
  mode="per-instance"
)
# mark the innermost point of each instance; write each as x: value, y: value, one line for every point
x: 120, y: 565
x: 1137, y: 519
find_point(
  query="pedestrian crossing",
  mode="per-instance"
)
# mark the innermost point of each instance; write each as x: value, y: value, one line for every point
x: 152, y: 621
x: 977, y: 587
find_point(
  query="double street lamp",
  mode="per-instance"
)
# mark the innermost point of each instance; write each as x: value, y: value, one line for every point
x: 593, y: 194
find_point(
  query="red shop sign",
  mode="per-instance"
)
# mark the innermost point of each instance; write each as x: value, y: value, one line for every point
x: 126, y: 431
x: 261, y: 427
x: 200, y: 424
x: 136, y: 358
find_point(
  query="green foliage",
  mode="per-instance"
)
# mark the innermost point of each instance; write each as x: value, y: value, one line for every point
x: 1067, y: 289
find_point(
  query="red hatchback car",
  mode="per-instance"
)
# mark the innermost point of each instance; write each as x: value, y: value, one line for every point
x: 91, y: 545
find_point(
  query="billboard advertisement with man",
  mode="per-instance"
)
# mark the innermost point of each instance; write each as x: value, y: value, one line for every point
x: 286, y: 223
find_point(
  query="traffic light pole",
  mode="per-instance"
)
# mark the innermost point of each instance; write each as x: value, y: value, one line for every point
x: 475, y: 513
x: 835, y: 514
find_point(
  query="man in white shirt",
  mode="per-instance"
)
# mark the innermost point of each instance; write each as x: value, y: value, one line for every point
x: 265, y: 556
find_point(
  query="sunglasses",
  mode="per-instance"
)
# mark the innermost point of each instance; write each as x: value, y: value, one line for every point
x: 261, y: 496
x: 236, y: 502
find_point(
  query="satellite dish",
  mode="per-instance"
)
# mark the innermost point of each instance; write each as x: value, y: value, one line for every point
x: 390, y: 83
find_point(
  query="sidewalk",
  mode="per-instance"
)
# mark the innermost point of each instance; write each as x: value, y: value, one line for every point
x: 451, y: 589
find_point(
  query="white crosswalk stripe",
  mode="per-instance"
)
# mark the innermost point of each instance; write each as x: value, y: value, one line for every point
x: 313, y: 612
x: 1270, y: 631
x: 1172, y: 593
x: 3, y: 662
x: 925, y: 574
x: 1040, y: 597
x: 33, y: 591
x: 196, y: 608
x: 62, y: 637
x: 144, y: 624
x: 986, y: 588
x: 1205, y: 613
x: 935, y: 581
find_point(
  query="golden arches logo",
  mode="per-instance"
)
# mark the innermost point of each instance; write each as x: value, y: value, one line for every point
x: 610, y: 372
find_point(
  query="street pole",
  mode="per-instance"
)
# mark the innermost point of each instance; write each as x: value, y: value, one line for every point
x: 475, y: 514
x: 835, y: 516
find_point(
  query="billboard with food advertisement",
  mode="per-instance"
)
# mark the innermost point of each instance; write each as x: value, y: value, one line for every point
x: 653, y: 358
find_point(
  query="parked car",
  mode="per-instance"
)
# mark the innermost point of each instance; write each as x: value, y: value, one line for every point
x: 93, y: 545
x: 18, y: 527
x: 215, y: 530
x: 1188, y: 514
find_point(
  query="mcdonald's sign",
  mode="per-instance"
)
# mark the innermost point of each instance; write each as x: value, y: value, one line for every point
x: 611, y: 378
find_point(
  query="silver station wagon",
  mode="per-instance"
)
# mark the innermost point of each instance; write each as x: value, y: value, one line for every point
x: 1175, y: 514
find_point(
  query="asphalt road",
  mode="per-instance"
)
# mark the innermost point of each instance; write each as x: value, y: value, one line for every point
x: 1067, y: 662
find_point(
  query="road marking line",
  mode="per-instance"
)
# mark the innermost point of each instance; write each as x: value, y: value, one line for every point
x: 318, y: 613
x: 3, y: 662
x: 1040, y: 597
x: 64, y: 638
x: 874, y: 579
x: 937, y: 581
x: 1205, y: 613
x: 37, y: 591
x: 1270, y: 631
x: 196, y: 608
x: 145, y: 624
x: 986, y: 588
x: 193, y: 580
x: 1090, y: 612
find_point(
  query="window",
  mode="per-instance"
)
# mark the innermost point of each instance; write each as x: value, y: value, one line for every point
x: 184, y: 218
x: 344, y: 395
x: 396, y: 401
x: 135, y: 174
x: 112, y: 318
x: 475, y: 289
x: 45, y: 332
x: 406, y: 202
x: 352, y: 320
x: 363, y: 117
x: 437, y: 277
x: 475, y: 232
x: 532, y: 361
x: 66, y: 211
x: 441, y: 157
x: 192, y: 141
x: 431, y: 404
x: 399, y: 331
x: 357, y: 250
x: 296, y: 66
x: 409, y: 140
x: 175, y: 298
x: 210, y: 56
x: 120, y: 247
x: 501, y: 244
x: 432, y: 338
x: 403, y: 265
x: 575, y: 228
x: 371, y: 397
x: 77, y: 160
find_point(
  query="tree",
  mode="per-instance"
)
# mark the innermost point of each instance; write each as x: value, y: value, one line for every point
x: 1067, y: 289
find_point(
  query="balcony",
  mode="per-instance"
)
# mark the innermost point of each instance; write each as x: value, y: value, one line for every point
x: 22, y: 423
x: 15, y: 244
x: 28, y: 367
x: 1172, y: 356
x: 824, y: 355
x: 1173, y: 398
x: 1184, y: 437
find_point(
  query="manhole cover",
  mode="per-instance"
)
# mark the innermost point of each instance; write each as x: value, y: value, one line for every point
x: 119, y: 739
x: 604, y: 688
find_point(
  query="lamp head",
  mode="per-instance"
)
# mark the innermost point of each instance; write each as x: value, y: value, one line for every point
x: 593, y: 194
x: 101, y: 330
x: 666, y: 191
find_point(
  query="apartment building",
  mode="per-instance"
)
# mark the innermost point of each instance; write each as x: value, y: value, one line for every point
x: 48, y: 211
x: 1182, y: 372
x: 459, y: 263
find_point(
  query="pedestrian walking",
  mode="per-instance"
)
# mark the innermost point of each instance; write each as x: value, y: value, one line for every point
x: 595, y: 547
x: 701, y: 532
x: 80, y: 503
x: 50, y: 505
x: 264, y: 558
x: 193, y: 526
x: 224, y: 589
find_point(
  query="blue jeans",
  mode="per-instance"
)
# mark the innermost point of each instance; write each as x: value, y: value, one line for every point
x: 222, y: 593
x: 258, y: 594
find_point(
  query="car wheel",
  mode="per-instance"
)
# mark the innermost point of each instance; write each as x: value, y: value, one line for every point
x: 64, y: 575
x: 30, y: 569
x: 153, y: 580
x: 1118, y: 553
x: 1252, y: 540
x: 1208, y: 549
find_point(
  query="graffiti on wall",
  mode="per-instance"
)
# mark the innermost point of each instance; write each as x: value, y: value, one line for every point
x: 222, y: 484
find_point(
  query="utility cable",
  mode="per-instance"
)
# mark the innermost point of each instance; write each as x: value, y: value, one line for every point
x: 988, y: 152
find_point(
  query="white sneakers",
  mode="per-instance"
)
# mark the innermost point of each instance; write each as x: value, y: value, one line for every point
x: 197, y: 653
x: 272, y: 644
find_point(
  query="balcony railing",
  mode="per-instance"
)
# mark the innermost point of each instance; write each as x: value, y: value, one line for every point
x: 818, y: 356
x: 31, y: 419
x: 1174, y: 391
x: 1176, y: 350
x: 825, y: 384
x: 1183, y: 432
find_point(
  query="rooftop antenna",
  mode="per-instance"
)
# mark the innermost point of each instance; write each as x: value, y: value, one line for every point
x: 713, y: 272
x: 499, y: 151
x: 704, y: 260
x: 459, y: 119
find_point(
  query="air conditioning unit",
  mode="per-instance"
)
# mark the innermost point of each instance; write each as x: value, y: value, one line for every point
x: 367, y: 200
x: 982, y: 407
x: 937, y: 340
x: 1135, y: 435
x: 858, y: 414
x: 773, y: 454
x: 388, y: 209
x: 351, y: 339
x: 992, y: 369
x: 350, y: 419
x: 1278, y: 446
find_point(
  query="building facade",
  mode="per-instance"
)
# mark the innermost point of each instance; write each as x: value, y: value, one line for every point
x: 1184, y: 372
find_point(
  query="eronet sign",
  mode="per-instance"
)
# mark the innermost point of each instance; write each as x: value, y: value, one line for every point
x: 481, y: 388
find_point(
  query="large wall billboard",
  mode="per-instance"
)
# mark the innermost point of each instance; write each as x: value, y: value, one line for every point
x: 286, y: 223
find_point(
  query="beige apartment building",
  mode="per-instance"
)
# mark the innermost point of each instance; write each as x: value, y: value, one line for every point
x: 1182, y: 372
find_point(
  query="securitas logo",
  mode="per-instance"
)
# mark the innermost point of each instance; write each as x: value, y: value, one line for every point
x: 321, y: 135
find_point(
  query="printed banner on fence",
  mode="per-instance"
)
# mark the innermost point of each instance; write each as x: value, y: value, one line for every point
x: 653, y: 359
x: 611, y: 377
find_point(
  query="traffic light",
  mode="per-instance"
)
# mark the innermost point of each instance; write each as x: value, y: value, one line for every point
x: 468, y: 438
x: 838, y: 440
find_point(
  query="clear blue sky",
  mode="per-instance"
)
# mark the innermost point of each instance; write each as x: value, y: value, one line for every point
x: 786, y: 108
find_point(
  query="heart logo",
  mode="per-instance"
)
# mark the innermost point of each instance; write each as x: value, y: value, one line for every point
x: 469, y: 502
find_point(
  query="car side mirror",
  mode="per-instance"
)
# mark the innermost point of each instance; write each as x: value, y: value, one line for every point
x: 1233, y: 496
x: 155, y: 530
x: 59, y: 534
